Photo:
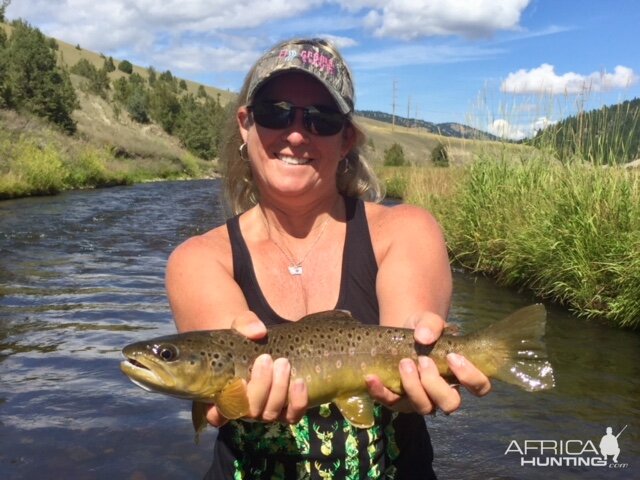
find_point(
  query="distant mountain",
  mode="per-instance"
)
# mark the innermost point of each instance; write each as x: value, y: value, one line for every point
x: 449, y: 129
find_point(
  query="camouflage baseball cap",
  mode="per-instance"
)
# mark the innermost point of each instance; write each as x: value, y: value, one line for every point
x: 315, y: 57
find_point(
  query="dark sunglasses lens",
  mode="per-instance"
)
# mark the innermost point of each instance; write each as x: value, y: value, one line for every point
x: 272, y: 115
x: 322, y: 121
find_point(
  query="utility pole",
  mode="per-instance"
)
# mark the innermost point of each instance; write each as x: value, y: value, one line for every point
x: 393, y: 107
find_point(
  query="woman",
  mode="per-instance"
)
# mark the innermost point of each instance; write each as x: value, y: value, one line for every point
x: 304, y: 241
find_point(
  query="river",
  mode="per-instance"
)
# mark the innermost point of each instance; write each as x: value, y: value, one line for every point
x: 81, y: 275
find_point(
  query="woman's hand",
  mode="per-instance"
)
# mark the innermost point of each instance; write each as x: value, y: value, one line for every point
x: 425, y: 389
x: 271, y: 395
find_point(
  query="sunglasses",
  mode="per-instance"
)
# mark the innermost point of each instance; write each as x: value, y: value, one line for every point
x: 318, y: 120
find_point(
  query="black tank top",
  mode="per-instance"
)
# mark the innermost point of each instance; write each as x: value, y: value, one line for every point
x: 359, y: 270
x: 323, y: 444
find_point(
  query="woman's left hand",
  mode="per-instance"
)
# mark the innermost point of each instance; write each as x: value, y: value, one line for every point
x: 425, y: 390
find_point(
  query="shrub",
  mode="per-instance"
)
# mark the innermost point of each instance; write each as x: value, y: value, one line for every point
x: 125, y: 66
x: 440, y: 156
x: 39, y: 168
x: 394, y: 156
x: 109, y: 66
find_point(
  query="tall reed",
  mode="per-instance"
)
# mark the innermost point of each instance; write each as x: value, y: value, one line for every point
x: 569, y: 232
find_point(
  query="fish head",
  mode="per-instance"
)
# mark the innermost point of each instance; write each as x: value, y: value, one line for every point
x: 185, y: 365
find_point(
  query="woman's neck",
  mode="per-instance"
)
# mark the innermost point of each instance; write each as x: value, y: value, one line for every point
x: 297, y: 218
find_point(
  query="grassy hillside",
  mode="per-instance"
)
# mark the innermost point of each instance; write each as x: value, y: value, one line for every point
x: 418, y: 144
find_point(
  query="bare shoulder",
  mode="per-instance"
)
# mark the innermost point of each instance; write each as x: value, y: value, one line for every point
x: 211, y: 247
x: 414, y: 274
x: 401, y: 224
x: 200, y: 285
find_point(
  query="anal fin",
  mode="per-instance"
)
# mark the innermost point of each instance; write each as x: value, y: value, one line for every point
x: 357, y: 409
x: 199, y: 418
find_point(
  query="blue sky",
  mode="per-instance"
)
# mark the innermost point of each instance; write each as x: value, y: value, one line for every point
x: 505, y: 66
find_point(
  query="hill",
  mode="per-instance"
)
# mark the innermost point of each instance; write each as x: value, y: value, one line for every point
x: 606, y: 136
x: 448, y: 129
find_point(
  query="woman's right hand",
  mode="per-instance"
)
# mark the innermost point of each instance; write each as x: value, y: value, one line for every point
x: 272, y: 397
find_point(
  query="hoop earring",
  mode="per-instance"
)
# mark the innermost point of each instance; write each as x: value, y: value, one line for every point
x: 345, y: 169
x: 244, y: 152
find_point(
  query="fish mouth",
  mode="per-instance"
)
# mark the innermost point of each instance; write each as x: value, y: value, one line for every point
x: 136, y: 363
x: 143, y: 374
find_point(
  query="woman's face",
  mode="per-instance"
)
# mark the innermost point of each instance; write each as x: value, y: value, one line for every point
x: 292, y: 161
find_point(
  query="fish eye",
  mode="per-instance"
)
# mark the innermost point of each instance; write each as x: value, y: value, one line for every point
x: 167, y: 353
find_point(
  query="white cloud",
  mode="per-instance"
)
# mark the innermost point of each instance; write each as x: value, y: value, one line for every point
x: 503, y: 129
x: 340, y: 42
x: 544, y: 80
x: 198, y: 58
x: 410, y: 19
x: 540, y: 124
x: 510, y: 131
x: 110, y: 25
x: 115, y: 24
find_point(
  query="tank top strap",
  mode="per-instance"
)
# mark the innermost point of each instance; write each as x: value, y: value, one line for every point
x: 245, y: 276
x: 359, y: 266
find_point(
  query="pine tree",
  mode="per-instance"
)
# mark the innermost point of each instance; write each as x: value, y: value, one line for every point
x: 34, y: 81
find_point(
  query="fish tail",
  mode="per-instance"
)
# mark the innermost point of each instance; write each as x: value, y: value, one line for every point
x: 514, y: 350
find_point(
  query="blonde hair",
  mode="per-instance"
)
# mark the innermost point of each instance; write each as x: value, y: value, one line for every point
x: 354, y: 177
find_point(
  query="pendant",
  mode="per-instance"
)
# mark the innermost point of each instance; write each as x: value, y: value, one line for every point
x: 295, y: 269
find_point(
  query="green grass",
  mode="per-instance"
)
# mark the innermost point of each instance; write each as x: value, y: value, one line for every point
x: 42, y: 165
x: 569, y: 233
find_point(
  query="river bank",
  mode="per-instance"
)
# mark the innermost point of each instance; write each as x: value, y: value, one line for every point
x: 29, y: 167
x: 569, y: 233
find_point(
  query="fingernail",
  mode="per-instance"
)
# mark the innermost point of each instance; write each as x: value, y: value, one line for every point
x: 407, y: 365
x: 298, y: 386
x: 256, y: 329
x: 424, y: 362
x: 264, y: 359
x: 457, y: 360
x: 426, y: 336
x: 280, y: 366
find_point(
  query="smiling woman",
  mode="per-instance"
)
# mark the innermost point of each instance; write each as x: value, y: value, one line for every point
x: 354, y: 176
x: 303, y: 241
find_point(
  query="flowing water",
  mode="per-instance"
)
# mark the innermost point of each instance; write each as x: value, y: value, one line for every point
x: 81, y: 275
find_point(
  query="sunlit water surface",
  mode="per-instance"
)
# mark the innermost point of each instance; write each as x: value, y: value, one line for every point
x: 81, y: 275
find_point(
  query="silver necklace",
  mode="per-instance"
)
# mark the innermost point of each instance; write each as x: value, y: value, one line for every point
x: 295, y: 266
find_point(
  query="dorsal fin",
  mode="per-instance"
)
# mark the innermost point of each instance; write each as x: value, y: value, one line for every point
x: 329, y: 316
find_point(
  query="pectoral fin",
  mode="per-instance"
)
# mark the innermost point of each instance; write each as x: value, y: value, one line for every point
x: 232, y: 401
x: 358, y: 410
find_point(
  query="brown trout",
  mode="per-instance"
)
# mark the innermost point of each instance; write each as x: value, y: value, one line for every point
x: 333, y: 353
